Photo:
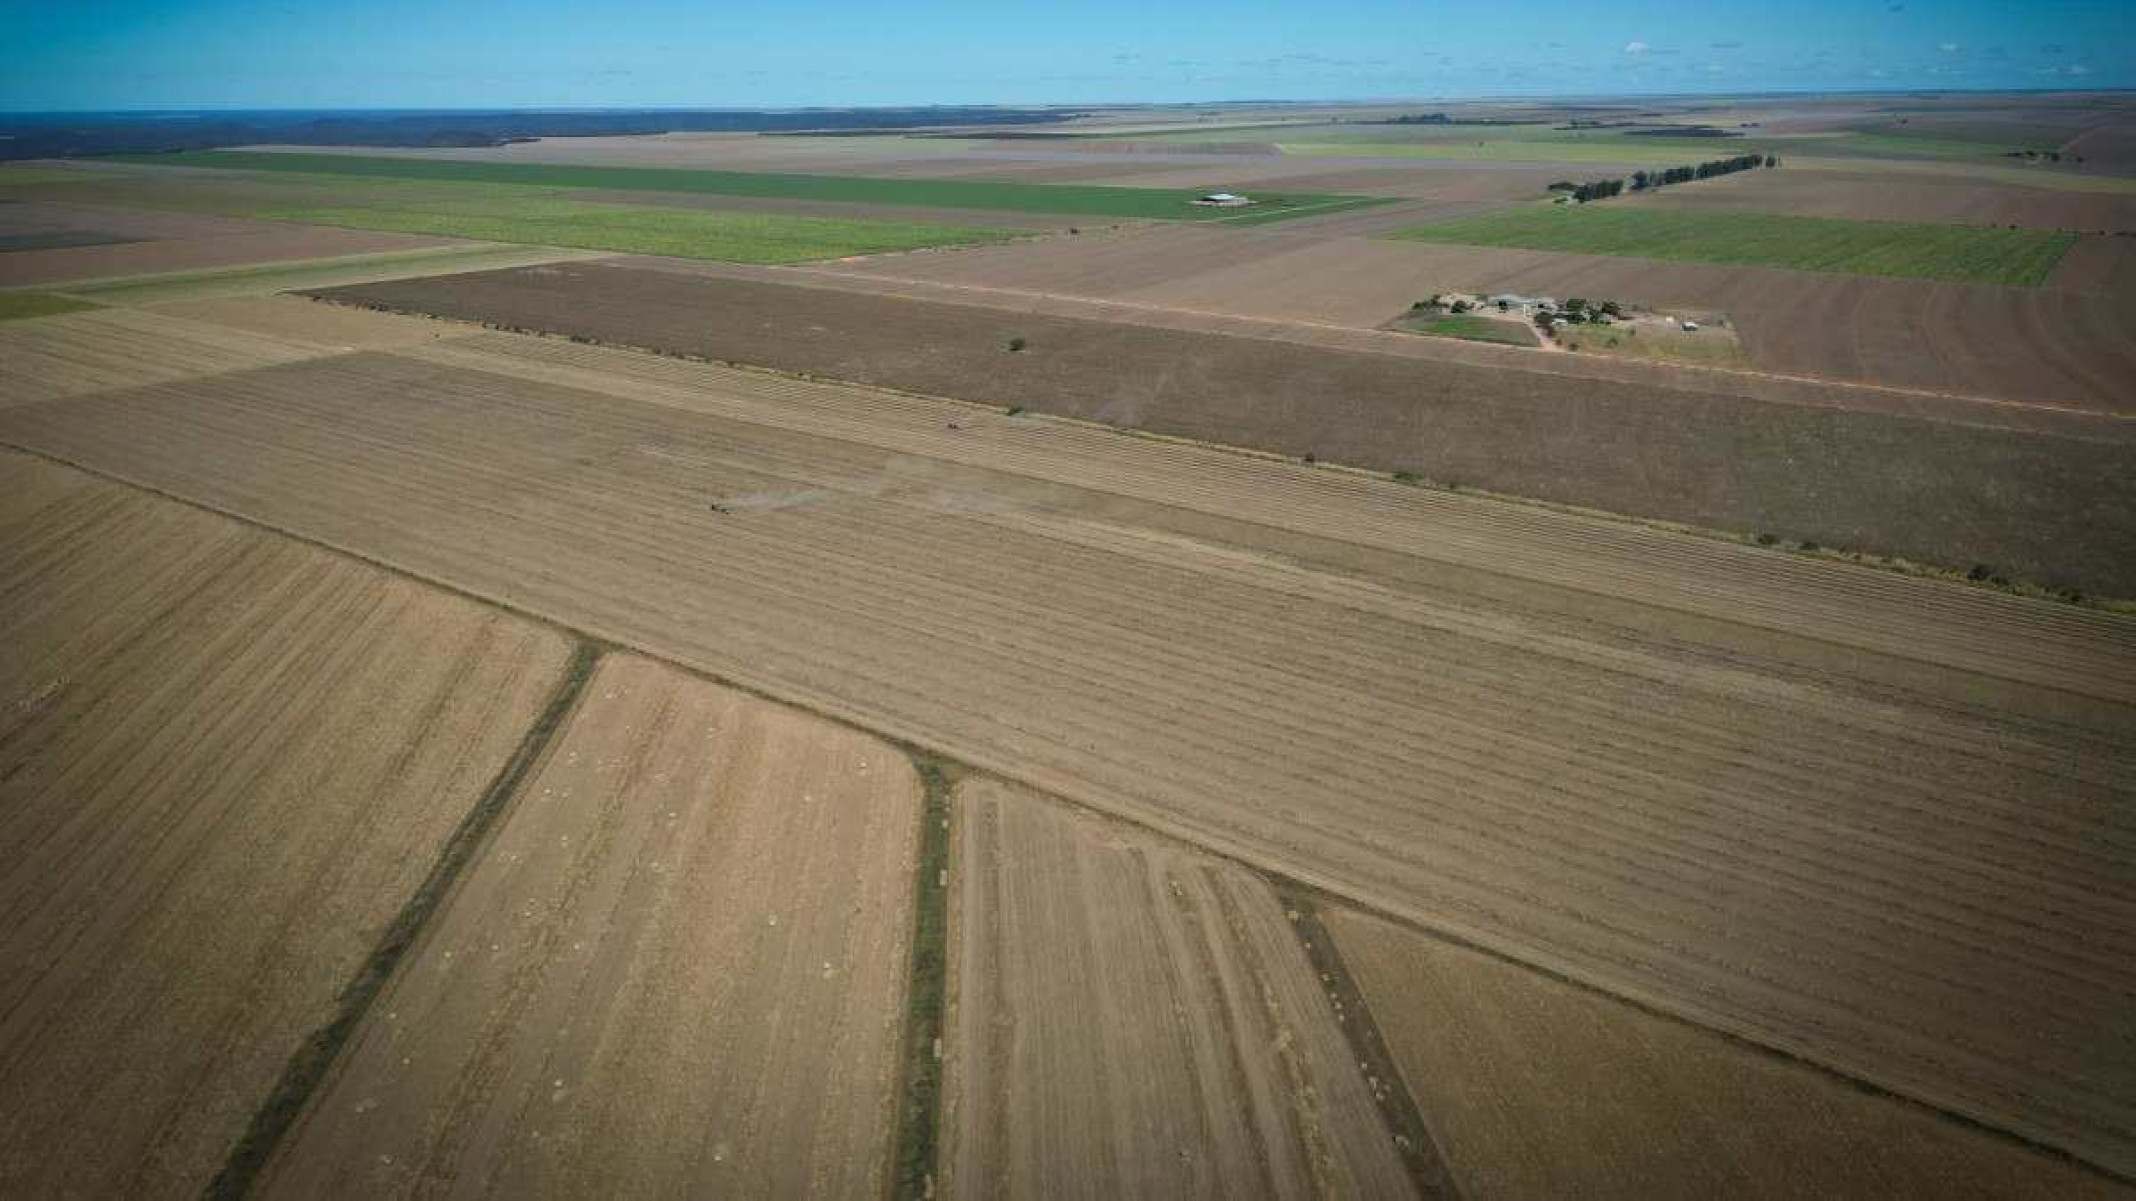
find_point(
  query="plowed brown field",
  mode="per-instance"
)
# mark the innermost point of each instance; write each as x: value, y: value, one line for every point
x: 172, y: 242
x: 1870, y: 820
x: 1880, y: 196
x: 1132, y: 1019
x: 1642, y: 439
x: 678, y: 969
x: 226, y: 762
x: 1538, y: 1088
x: 112, y: 348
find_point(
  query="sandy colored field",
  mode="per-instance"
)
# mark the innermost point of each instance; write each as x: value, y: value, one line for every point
x: 2072, y: 343
x: 1872, y: 196
x: 1868, y: 819
x: 677, y: 969
x: 1132, y: 1019
x: 49, y: 357
x: 301, y: 319
x: 1887, y: 472
x: 1538, y: 1088
x: 186, y: 242
x: 226, y: 761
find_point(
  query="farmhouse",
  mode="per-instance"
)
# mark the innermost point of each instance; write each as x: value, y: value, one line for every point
x: 1225, y: 200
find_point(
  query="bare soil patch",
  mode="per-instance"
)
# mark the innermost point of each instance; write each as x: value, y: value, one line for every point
x: 1133, y: 1019
x: 677, y: 969
x: 112, y: 348
x: 1873, y: 196
x: 2062, y: 512
x: 1539, y: 1088
x: 226, y: 760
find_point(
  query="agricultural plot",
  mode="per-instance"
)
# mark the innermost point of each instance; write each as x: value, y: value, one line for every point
x: 677, y: 969
x: 1866, y: 819
x: 1948, y: 252
x: 132, y: 242
x: 685, y: 233
x: 1146, y: 203
x: 1539, y: 1088
x: 1133, y: 1019
x: 227, y: 761
x: 111, y: 348
x: 259, y: 279
x: 17, y: 305
x: 1627, y: 437
x: 1469, y: 328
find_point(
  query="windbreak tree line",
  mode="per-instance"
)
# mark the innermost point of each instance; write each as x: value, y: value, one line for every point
x: 1603, y: 189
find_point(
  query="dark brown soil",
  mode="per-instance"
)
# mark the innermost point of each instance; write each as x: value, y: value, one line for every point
x: 2057, y: 509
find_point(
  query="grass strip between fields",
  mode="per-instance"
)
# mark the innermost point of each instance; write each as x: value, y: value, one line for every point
x: 1962, y: 253
x: 309, y: 1064
x: 919, y: 1098
x: 1471, y: 328
x: 15, y: 306
x: 1066, y: 199
x: 1413, y: 1140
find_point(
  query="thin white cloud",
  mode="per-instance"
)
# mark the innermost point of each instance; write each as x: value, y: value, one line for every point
x: 1636, y: 47
x: 1948, y: 47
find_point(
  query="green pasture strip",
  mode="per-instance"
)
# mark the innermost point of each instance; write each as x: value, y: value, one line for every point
x: 1065, y: 199
x: 16, y: 305
x: 732, y: 237
x: 1472, y: 328
x: 1966, y: 253
x: 1264, y: 217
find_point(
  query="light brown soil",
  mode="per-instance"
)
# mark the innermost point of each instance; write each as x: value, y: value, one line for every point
x: 301, y: 319
x: 177, y: 242
x: 226, y: 762
x: 1627, y: 437
x: 1133, y: 1019
x: 1866, y: 819
x: 114, y: 348
x: 677, y: 969
x: 1538, y: 1088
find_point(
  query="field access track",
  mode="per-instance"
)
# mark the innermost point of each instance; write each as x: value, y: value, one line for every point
x: 1871, y: 821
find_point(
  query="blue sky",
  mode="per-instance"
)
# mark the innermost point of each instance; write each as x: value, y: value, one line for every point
x: 88, y: 54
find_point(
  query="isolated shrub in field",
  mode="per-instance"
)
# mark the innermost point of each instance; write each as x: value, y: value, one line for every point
x: 1016, y: 344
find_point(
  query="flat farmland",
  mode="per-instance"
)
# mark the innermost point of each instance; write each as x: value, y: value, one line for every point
x: 1868, y: 820
x: 1878, y: 196
x: 1966, y: 253
x: 141, y: 243
x: 1666, y: 1111
x: 1630, y: 438
x: 1132, y: 1019
x: 1149, y: 203
x: 227, y: 760
x: 62, y: 355
x: 2071, y: 343
x: 677, y: 969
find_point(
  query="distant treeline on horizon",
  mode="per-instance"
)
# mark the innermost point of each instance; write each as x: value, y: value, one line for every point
x: 63, y: 135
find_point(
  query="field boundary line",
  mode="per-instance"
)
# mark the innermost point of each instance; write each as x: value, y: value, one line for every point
x: 1133, y: 816
x: 1407, y: 1127
x: 917, y: 1131
x: 315, y: 1060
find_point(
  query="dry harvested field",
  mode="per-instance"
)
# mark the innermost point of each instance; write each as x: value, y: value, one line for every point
x: 1879, y: 196
x: 227, y: 760
x: 1629, y: 438
x: 678, y: 969
x: 172, y: 242
x: 1132, y: 1019
x: 1664, y: 1111
x: 109, y: 348
x: 1871, y: 821
x: 2071, y: 344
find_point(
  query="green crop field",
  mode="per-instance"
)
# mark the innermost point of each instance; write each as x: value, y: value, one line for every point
x: 637, y: 229
x: 14, y: 305
x: 1064, y: 199
x: 1968, y: 253
x: 1470, y: 327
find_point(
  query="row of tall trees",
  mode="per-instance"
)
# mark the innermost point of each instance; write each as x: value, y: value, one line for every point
x: 1603, y: 189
